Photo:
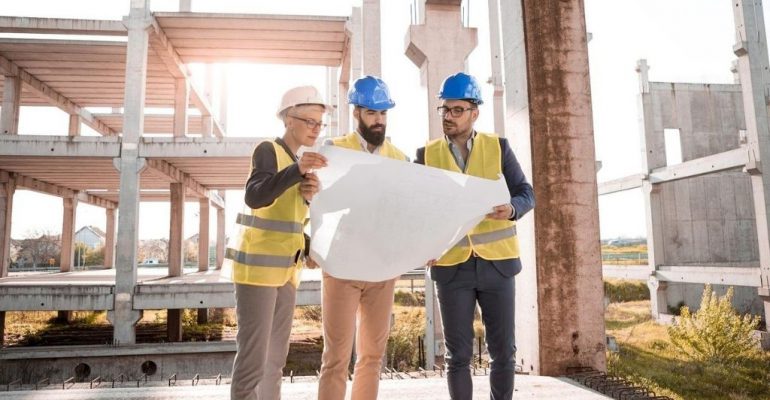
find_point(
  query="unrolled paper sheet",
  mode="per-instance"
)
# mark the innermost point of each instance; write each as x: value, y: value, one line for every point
x: 376, y: 218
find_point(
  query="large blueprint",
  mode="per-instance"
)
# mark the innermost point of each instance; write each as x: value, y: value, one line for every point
x: 376, y: 218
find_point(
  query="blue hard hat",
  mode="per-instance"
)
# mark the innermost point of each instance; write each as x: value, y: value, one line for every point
x: 461, y: 86
x: 372, y: 93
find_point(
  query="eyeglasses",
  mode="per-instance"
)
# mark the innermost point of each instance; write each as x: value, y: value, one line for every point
x: 455, y: 112
x: 311, y: 123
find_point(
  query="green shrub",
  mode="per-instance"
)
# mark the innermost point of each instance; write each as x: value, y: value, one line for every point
x: 619, y: 290
x: 715, y: 334
x: 311, y: 313
x: 409, y: 327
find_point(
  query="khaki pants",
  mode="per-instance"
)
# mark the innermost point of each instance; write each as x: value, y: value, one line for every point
x: 262, y: 342
x: 342, y: 300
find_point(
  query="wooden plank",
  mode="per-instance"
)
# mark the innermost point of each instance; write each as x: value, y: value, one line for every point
x: 62, y: 26
x: 705, y: 165
x: 264, y: 22
x: 330, y: 62
x: 257, y: 53
x: 85, y: 65
x: 621, y: 184
x: 239, y: 43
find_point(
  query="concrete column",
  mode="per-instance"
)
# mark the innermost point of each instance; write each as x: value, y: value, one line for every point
x: 185, y: 5
x: 181, y: 102
x: 176, y: 229
x: 221, y: 232
x: 496, y: 80
x: 74, y: 125
x: 208, y: 119
x: 9, y: 115
x: 123, y: 317
x: 658, y: 301
x: 7, y: 189
x: 548, y: 106
x: 223, y: 98
x: 203, y: 235
x: 356, y: 44
x: 343, y: 109
x: 439, y: 47
x: 754, y: 70
x: 372, y: 42
x: 68, y: 234
x: 332, y: 97
x: 109, y: 240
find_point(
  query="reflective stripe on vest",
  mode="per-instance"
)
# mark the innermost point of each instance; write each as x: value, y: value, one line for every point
x: 352, y: 142
x: 259, y: 259
x: 267, y: 224
x: 490, y: 239
x: 266, y: 249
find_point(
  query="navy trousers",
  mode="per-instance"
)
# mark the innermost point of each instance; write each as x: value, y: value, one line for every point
x: 459, y: 289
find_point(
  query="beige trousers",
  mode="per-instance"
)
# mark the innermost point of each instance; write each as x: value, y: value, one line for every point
x: 343, y: 300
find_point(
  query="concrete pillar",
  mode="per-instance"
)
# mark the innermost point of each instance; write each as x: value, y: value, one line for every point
x: 548, y: 107
x: 208, y: 119
x: 356, y: 44
x: 109, y: 240
x: 343, y: 109
x: 185, y: 5
x: 372, y: 42
x: 9, y: 114
x: 221, y: 232
x: 68, y: 234
x: 754, y: 70
x: 176, y: 229
x: 174, y: 325
x: 74, y: 125
x: 7, y: 189
x: 332, y: 97
x: 658, y: 301
x: 223, y: 97
x: 123, y: 317
x: 181, y: 102
x: 496, y: 80
x: 203, y: 235
x: 2, y: 328
x: 439, y: 47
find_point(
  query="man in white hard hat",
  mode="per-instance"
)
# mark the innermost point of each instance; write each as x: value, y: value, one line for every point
x: 267, y: 256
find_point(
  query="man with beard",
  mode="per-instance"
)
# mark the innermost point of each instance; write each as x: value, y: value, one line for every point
x: 344, y: 300
x: 481, y: 267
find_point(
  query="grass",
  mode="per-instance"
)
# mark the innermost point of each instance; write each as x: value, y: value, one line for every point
x: 624, y: 255
x: 648, y: 358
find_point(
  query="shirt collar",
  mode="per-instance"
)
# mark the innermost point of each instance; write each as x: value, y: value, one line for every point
x: 468, y: 144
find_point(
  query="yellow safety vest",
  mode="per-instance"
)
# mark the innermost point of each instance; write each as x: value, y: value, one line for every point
x: 491, y: 239
x: 266, y: 248
x: 352, y: 141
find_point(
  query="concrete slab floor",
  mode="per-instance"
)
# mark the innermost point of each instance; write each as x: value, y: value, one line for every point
x: 527, y: 387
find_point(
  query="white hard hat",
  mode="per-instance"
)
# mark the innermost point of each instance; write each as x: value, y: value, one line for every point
x: 302, y: 95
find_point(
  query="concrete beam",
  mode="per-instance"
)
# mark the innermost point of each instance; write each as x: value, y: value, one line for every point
x: 68, y: 234
x: 59, y: 146
x: 701, y: 166
x: 730, y: 276
x: 109, y: 239
x: 173, y: 174
x: 62, y: 26
x: 7, y: 189
x: 176, y: 230
x: 59, y: 191
x: 9, y: 115
x: 56, y: 99
x: 48, y: 298
x: 439, y: 47
x: 158, y: 147
x: 622, y: 184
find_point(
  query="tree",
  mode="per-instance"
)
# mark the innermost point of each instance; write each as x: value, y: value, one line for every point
x: 39, y: 247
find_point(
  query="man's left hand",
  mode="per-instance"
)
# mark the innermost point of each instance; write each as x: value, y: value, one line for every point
x: 503, y: 211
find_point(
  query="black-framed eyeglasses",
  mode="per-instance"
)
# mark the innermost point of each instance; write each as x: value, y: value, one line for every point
x: 455, y: 112
x: 311, y: 123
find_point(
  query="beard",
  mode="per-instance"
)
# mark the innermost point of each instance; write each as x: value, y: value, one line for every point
x: 375, y: 138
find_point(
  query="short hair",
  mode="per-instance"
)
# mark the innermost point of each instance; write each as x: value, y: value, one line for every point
x: 299, y: 107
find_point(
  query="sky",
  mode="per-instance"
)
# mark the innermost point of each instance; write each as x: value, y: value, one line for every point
x: 682, y: 40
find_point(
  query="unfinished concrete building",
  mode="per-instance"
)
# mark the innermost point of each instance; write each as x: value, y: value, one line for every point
x: 706, y: 208
x: 149, y: 68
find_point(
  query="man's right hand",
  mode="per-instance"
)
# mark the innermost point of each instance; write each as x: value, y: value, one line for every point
x: 310, y: 161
